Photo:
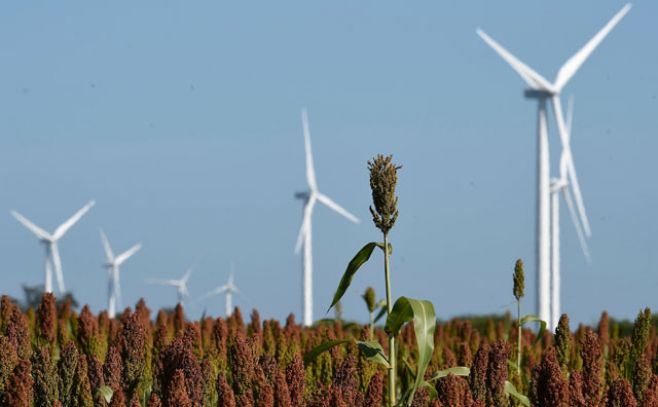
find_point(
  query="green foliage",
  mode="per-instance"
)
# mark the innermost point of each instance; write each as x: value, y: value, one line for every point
x: 106, y: 393
x: 533, y: 318
x: 352, y: 267
x: 511, y: 391
x: 424, y: 320
x: 374, y: 352
x: 323, y: 347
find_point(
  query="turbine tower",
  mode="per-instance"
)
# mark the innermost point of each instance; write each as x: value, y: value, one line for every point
x: 180, y: 284
x: 310, y: 198
x: 113, y: 263
x: 52, y: 259
x: 559, y: 186
x: 544, y: 91
x: 229, y: 289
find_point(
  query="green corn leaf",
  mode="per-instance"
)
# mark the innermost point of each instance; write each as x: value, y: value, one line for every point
x: 424, y: 318
x: 323, y: 347
x: 106, y: 392
x: 533, y: 318
x: 381, y: 313
x: 361, y: 257
x: 510, y: 390
x: 457, y: 371
x: 374, y: 352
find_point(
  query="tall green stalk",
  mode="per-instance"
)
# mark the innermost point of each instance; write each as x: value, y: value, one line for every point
x: 392, y: 371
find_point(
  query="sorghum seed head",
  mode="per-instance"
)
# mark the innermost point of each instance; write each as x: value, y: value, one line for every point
x: 519, y: 280
x: 383, y: 179
x: 370, y: 298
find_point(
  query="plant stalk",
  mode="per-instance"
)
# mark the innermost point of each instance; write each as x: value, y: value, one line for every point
x: 392, y: 371
x: 372, y: 325
x: 518, y: 319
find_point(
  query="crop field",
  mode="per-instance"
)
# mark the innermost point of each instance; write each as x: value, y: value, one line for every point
x: 50, y: 355
x: 53, y: 356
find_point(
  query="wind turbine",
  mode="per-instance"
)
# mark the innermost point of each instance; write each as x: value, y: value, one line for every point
x: 112, y: 266
x: 559, y: 186
x: 228, y: 289
x: 541, y: 89
x: 310, y: 198
x: 180, y: 284
x: 52, y: 259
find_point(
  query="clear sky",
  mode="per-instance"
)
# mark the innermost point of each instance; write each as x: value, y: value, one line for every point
x: 182, y: 119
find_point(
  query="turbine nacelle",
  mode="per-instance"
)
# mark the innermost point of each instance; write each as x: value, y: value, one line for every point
x: 303, y: 196
x: 557, y: 184
x: 530, y: 93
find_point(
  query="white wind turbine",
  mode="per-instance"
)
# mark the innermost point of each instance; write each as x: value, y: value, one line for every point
x: 310, y: 198
x: 181, y: 285
x: 561, y: 185
x: 541, y: 89
x: 113, y: 273
x: 228, y: 289
x: 52, y: 259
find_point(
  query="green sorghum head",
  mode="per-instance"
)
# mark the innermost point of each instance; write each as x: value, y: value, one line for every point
x: 370, y: 298
x: 563, y: 341
x: 519, y: 280
x: 383, y: 179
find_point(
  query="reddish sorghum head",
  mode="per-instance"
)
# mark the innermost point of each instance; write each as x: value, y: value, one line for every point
x: 225, y: 394
x: 620, y: 394
x: 550, y: 388
x: 590, y: 352
x: 47, y: 318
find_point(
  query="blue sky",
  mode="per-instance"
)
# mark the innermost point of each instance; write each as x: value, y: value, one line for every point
x: 183, y: 122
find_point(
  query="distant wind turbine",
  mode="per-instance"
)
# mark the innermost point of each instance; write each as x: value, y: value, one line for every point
x: 541, y: 89
x: 228, y: 289
x: 561, y: 185
x: 181, y: 285
x: 114, y: 299
x: 310, y: 198
x: 52, y: 260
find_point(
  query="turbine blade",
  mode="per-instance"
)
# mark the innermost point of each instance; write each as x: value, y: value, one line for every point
x: 57, y: 261
x: 41, y: 234
x: 570, y: 116
x: 162, y: 282
x: 571, y: 169
x: 532, y: 78
x: 64, y: 227
x: 187, y: 275
x: 216, y: 291
x: 108, y: 249
x: 308, y: 213
x: 127, y: 254
x: 571, y: 66
x: 310, y: 168
x: 576, y: 223
x: 333, y: 205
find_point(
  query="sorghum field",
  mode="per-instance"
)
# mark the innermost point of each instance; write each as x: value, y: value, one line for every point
x: 53, y: 356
